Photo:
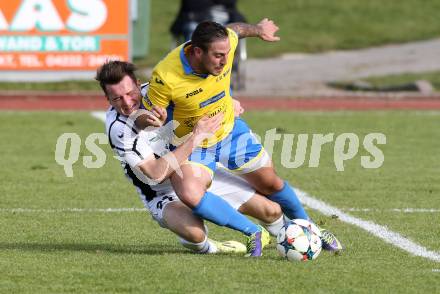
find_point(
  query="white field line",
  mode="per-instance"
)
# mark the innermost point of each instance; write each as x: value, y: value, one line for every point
x: 74, y: 210
x: 379, y: 231
x: 133, y: 209
x: 99, y: 115
x: 396, y: 210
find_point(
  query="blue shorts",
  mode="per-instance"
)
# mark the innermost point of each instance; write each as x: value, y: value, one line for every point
x: 239, y: 152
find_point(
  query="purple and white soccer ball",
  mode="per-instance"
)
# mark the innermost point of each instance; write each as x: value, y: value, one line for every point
x: 299, y: 240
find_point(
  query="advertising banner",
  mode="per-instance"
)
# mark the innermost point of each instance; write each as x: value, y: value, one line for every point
x: 63, y: 35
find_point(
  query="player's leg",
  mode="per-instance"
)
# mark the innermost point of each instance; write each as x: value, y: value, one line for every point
x: 179, y: 219
x: 172, y: 214
x: 267, y: 182
x: 267, y: 212
x: 243, y: 154
x: 260, y: 207
x: 240, y: 195
x: 191, y: 185
x: 289, y: 202
x: 191, y: 189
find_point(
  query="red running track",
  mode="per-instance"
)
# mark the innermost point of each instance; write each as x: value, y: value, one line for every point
x: 65, y: 101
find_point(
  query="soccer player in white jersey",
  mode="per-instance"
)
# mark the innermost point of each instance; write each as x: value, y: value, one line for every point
x: 148, y: 163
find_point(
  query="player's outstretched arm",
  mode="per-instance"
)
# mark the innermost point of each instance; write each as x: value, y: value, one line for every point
x: 265, y: 30
x: 160, y: 169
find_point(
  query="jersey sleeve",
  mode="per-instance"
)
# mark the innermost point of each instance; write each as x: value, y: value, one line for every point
x: 129, y: 146
x: 233, y: 39
x: 158, y: 93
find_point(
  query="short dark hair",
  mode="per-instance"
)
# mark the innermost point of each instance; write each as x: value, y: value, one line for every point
x: 112, y: 72
x: 207, y: 32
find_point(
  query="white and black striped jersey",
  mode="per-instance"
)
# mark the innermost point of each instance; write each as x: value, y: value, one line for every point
x: 132, y: 145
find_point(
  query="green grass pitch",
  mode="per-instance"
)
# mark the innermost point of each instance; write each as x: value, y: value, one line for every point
x: 45, y: 250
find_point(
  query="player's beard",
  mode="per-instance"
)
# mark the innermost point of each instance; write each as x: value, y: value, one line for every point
x: 216, y: 70
x: 210, y: 68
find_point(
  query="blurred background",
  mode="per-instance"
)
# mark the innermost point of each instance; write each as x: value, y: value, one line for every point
x: 324, y: 44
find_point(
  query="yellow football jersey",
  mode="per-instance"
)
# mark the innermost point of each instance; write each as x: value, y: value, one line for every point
x: 190, y: 96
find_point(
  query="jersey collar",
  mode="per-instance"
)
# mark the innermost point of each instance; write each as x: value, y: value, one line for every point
x: 185, y: 63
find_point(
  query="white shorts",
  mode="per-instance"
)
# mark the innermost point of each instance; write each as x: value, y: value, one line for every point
x: 231, y: 188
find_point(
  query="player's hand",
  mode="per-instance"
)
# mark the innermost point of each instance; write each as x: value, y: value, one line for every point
x: 238, y: 109
x: 267, y: 30
x: 207, y: 126
x: 154, y: 118
x: 160, y: 113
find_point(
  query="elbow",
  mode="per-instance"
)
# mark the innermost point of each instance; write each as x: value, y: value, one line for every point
x: 154, y: 177
x: 155, y: 170
x: 159, y: 178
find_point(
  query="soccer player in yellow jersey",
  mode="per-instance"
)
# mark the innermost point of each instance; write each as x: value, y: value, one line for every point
x: 192, y: 81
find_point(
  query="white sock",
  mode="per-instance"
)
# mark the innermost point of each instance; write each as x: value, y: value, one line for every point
x: 204, y: 247
x: 275, y: 227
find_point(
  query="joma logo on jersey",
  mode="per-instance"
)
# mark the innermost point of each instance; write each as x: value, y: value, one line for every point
x: 194, y: 93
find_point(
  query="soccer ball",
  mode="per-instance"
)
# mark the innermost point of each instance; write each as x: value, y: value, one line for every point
x: 299, y: 240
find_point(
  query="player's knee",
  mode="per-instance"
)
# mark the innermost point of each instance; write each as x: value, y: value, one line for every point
x: 191, y: 195
x: 276, y: 211
x: 271, y: 185
x: 272, y: 212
